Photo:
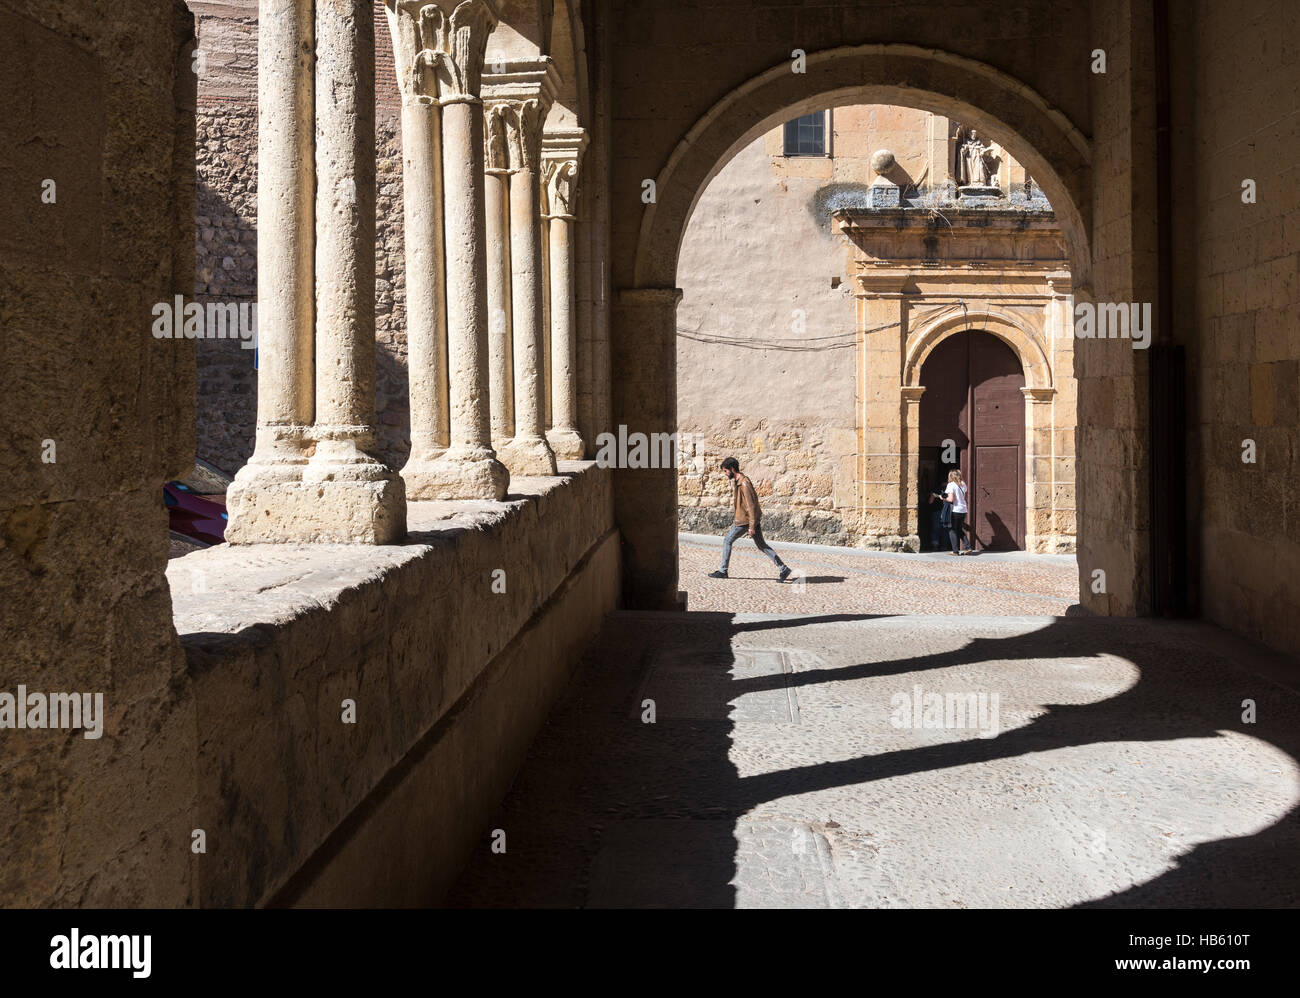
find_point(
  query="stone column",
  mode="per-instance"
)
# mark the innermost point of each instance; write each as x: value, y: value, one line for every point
x: 452, y: 35
x: 522, y: 94
x: 316, y: 201
x: 286, y: 182
x: 645, y: 402
x: 584, y: 267
x: 563, y: 153
x: 882, y: 310
x: 366, y: 501
x: 500, y: 353
x: 414, y: 51
x: 910, y: 489
x: 1039, y: 484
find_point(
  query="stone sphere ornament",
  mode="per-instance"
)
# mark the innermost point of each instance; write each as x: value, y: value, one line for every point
x: 882, y: 161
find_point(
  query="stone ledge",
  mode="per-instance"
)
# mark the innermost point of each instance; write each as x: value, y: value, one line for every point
x: 284, y: 633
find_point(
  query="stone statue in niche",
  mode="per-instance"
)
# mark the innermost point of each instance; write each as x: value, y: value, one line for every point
x: 975, y: 161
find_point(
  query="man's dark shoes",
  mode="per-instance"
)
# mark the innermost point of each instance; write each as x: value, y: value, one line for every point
x: 785, y: 573
x: 717, y: 575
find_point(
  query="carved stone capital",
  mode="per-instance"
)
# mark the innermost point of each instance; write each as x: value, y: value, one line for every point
x: 559, y: 185
x: 523, y: 131
x: 438, y: 47
x: 496, y: 148
x: 561, y: 157
x: 519, y: 93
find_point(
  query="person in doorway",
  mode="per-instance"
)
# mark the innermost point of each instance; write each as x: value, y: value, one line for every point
x: 747, y: 520
x: 956, y: 494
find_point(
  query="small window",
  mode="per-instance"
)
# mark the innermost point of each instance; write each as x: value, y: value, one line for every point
x: 806, y: 135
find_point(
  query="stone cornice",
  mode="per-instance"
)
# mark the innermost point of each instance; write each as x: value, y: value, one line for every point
x: 647, y: 297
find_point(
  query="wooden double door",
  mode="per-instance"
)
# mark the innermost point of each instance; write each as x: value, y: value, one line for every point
x: 973, y: 418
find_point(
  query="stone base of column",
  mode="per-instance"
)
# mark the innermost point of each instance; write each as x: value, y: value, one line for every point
x: 526, y: 456
x: 323, y: 512
x: 567, y: 443
x: 341, y: 495
x: 460, y: 473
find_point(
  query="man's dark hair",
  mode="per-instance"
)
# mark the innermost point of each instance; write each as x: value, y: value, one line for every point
x: 731, y: 464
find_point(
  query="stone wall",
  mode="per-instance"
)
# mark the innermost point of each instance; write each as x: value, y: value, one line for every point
x: 1237, y: 291
x: 452, y: 668
x: 1113, y: 443
x: 765, y: 345
x: 99, y: 100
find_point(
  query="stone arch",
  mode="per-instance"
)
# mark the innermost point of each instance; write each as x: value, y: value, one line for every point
x: 1054, y: 151
x: 1027, y: 345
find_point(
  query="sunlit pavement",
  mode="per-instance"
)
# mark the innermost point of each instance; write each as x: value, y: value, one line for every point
x: 827, y: 579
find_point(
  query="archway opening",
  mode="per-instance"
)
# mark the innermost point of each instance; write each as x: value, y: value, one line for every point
x: 830, y: 273
x: 1052, y: 152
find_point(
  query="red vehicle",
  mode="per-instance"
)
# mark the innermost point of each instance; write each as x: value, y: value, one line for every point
x: 196, y: 507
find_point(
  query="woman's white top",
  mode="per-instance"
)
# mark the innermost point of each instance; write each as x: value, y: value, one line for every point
x: 957, y: 496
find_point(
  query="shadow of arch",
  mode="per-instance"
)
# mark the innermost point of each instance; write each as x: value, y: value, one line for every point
x: 1053, y: 150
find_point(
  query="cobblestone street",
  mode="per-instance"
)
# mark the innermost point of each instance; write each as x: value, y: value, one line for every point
x: 801, y: 760
x: 834, y: 579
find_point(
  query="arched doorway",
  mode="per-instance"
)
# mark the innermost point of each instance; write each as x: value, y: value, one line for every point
x: 972, y: 417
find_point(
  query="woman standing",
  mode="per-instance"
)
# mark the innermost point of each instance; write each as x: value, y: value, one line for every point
x: 956, y: 494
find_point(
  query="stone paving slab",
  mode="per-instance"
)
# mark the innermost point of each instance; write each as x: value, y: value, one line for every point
x: 1120, y: 772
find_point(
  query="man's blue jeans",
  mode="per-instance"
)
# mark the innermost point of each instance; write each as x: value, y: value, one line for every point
x: 739, y: 530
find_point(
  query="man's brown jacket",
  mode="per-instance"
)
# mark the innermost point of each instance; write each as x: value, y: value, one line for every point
x: 747, y: 510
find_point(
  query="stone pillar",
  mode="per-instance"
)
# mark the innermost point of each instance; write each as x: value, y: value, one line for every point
x: 367, y: 501
x: 584, y: 267
x: 426, y: 317
x: 882, y: 310
x: 286, y: 181
x: 1040, y: 526
x: 645, y: 402
x: 450, y: 37
x: 500, y: 353
x: 563, y: 153
x: 319, y: 157
x: 522, y: 94
x: 910, y: 490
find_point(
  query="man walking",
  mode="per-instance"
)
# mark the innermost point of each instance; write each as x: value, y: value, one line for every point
x: 747, y: 521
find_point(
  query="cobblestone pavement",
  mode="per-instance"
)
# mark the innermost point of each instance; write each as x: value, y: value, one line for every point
x: 783, y: 768
x: 830, y: 579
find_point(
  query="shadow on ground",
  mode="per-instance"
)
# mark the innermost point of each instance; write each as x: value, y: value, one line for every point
x: 610, y: 811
